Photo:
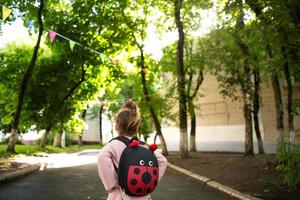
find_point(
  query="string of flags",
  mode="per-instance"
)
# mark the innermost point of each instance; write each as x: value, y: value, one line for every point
x: 52, y: 34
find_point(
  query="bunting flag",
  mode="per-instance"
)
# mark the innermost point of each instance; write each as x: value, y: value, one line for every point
x: 30, y: 25
x: 145, y: 71
x: 5, y: 12
x: 52, y: 35
x: 102, y: 57
x: 158, y: 94
x: 72, y: 44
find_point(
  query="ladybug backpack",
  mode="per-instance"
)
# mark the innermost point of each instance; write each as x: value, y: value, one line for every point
x: 138, y: 167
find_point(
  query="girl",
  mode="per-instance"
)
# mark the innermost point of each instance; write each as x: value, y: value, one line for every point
x: 127, y: 123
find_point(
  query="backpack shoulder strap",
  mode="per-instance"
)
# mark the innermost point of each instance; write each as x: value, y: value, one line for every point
x: 123, y: 139
x: 127, y: 141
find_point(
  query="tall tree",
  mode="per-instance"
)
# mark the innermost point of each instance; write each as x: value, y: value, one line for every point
x: 256, y: 108
x: 138, y: 33
x: 83, y: 116
x: 286, y: 29
x: 183, y: 150
x: 26, y: 79
x: 194, y: 69
x: 277, y: 28
x: 100, y: 122
x: 246, y: 84
x: 191, y: 19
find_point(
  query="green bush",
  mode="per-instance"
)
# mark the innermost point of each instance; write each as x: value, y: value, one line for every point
x: 288, y: 165
x: 68, y: 139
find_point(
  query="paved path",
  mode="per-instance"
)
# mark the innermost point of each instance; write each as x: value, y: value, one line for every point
x: 82, y: 183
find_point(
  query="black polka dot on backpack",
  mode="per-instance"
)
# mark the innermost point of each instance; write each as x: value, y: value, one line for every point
x: 137, y: 171
x: 146, y: 177
x: 139, y: 190
x: 133, y: 182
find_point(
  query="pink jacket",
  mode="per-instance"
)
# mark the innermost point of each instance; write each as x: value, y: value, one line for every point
x: 112, y: 153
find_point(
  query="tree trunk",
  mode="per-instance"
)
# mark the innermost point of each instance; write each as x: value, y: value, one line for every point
x: 25, y: 81
x: 191, y: 109
x: 183, y: 148
x: 279, y: 111
x: 287, y: 76
x: 256, y: 107
x: 45, y: 136
x: 12, y: 141
x: 246, y: 85
x: 191, y: 106
x: 58, y: 138
x: 278, y: 104
x: 248, y: 129
x: 247, y: 111
x: 164, y: 149
x: 83, y: 115
x: 79, y: 140
x: 150, y: 107
x: 147, y: 96
x: 257, y: 8
x: 100, y: 124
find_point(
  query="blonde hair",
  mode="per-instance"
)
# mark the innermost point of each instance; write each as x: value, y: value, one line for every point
x: 128, y: 119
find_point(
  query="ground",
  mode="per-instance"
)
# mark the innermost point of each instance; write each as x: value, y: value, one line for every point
x: 252, y: 175
x: 6, y: 165
x: 256, y: 175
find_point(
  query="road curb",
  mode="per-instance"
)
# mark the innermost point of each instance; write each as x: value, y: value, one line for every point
x: 18, y: 173
x: 213, y: 184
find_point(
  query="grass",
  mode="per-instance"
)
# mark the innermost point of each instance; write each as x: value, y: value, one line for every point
x: 35, y: 149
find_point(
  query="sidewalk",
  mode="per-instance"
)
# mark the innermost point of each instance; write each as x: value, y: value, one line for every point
x: 11, y: 168
x: 252, y: 176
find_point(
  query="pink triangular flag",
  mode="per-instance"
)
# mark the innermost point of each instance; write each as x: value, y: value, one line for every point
x: 52, y: 35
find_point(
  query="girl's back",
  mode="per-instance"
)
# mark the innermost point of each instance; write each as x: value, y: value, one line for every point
x: 127, y: 124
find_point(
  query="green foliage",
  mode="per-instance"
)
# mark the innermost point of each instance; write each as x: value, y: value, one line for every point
x: 14, y: 59
x: 289, y: 165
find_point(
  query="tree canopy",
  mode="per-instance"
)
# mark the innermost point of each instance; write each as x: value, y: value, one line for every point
x: 98, y: 53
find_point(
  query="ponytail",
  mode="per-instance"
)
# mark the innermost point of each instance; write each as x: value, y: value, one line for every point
x: 128, y: 118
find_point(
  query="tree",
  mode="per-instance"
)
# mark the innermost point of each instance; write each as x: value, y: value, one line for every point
x: 238, y: 56
x: 86, y: 84
x: 246, y: 84
x: 13, y: 59
x: 183, y: 150
x: 137, y: 29
x: 193, y: 60
x: 256, y: 108
x: 26, y: 78
x: 279, y: 36
x: 180, y: 20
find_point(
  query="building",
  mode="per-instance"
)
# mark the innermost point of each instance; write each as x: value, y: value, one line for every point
x: 220, y: 121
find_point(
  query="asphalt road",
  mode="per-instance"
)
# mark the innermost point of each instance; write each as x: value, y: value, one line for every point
x: 82, y: 183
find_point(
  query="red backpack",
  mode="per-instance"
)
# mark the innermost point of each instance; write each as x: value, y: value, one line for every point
x: 138, y: 167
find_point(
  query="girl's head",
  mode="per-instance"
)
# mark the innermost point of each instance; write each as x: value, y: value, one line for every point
x: 128, y: 119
